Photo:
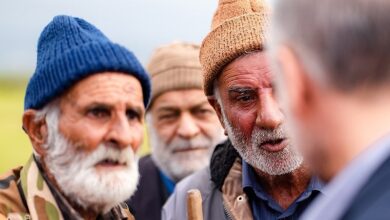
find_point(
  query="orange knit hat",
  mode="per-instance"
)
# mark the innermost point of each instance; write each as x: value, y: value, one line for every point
x: 238, y: 26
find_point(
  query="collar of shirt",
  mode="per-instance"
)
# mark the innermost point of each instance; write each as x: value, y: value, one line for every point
x: 168, y: 183
x: 253, y: 188
x: 340, y: 188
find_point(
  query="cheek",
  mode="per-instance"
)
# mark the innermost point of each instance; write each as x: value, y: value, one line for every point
x: 210, y: 128
x: 138, y: 136
x: 299, y: 133
x: 87, y: 135
x: 243, y: 120
x: 166, y: 132
x: 305, y: 138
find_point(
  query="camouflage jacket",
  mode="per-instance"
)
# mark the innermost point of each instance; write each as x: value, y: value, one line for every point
x: 24, y: 194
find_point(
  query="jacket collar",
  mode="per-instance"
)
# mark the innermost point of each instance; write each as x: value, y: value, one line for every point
x: 44, y: 201
x: 221, y: 162
x: 40, y: 201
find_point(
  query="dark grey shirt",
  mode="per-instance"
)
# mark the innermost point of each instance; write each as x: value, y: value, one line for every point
x: 341, y: 191
x: 264, y: 207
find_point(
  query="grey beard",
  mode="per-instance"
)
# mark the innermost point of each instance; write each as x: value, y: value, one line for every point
x: 272, y: 163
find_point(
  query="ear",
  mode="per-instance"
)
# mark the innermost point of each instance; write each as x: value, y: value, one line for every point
x: 298, y: 87
x: 218, y: 109
x: 36, y: 131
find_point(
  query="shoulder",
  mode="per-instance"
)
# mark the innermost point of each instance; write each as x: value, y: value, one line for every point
x: 147, y: 163
x: 372, y: 208
x: 199, y: 180
x: 373, y: 200
x: 222, y: 161
x: 149, y: 175
x: 176, y: 206
x: 148, y: 170
x: 10, y: 198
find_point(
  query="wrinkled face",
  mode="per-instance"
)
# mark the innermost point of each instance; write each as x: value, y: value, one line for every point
x: 103, y: 108
x: 93, y: 138
x: 253, y: 118
x: 184, y: 130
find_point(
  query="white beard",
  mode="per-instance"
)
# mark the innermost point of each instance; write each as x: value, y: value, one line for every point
x: 272, y: 163
x: 75, y: 173
x: 179, y: 165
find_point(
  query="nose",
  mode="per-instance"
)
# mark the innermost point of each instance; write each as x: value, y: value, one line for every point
x: 188, y: 127
x: 269, y: 115
x: 120, y: 134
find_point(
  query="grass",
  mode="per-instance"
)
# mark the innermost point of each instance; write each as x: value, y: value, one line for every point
x: 14, y: 143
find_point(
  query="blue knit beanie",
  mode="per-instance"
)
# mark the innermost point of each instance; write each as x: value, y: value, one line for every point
x: 70, y: 49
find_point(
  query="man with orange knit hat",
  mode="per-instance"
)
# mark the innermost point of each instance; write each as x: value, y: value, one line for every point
x: 258, y: 173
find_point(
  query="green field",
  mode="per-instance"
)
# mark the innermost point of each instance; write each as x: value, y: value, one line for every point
x: 14, y: 143
x: 15, y: 148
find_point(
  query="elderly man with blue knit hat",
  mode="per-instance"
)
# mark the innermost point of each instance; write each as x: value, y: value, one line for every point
x: 84, y: 110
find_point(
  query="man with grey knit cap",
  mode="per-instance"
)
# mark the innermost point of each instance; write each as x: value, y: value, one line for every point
x: 84, y: 109
x: 183, y: 127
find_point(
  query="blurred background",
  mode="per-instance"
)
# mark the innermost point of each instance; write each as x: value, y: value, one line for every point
x: 139, y: 25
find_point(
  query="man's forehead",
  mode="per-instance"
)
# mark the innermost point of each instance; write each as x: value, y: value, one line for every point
x: 252, y: 68
x: 250, y: 80
x: 180, y: 99
x: 106, y: 86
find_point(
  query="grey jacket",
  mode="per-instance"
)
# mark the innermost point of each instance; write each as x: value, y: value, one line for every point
x: 175, y: 207
x: 220, y: 187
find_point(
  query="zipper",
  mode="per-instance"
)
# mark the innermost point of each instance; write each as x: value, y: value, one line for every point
x: 227, y: 212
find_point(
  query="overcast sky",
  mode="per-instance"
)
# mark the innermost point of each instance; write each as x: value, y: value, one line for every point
x: 140, y: 25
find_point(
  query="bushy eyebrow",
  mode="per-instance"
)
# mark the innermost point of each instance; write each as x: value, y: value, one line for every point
x: 240, y: 90
x: 98, y: 105
x: 109, y: 107
x: 167, y: 109
x: 177, y: 108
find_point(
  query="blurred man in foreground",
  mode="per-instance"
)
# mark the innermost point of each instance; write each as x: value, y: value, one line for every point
x: 335, y: 86
x: 183, y: 127
x: 84, y: 109
x: 257, y: 174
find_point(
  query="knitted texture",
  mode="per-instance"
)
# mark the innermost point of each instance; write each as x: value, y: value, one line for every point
x: 174, y: 67
x: 238, y: 27
x: 70, y: 49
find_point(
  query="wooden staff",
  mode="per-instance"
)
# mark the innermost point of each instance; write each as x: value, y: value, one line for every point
x: 194, y: 205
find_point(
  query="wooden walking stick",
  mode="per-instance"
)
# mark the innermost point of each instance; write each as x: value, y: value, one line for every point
x: 194, y: 205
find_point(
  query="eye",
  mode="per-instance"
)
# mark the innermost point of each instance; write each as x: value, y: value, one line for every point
x: 202, y: 111
x: 99, y: 112
x: 246, y: 97
x: 133, y: 115
x: 243, y: 95
x: 167, y: 117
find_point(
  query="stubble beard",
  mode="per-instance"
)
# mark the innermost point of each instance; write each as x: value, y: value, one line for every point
x: 272, y: 163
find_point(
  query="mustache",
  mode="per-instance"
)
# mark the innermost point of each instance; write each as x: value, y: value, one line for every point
x: 108, y: 152
x: 260, y: 136
x: 182, y: 144
x: 104, y: 151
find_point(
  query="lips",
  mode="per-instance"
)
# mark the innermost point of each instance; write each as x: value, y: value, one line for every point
x: 274, y: 145
x: 110, y: 163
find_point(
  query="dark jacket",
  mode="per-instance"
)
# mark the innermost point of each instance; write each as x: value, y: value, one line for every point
x: 373, y: 200
x: 148, y: 200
